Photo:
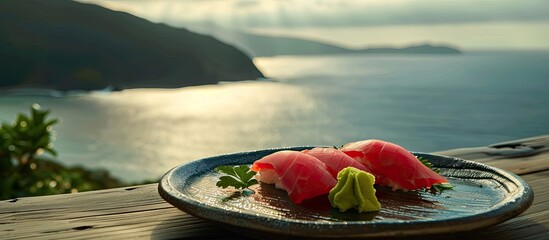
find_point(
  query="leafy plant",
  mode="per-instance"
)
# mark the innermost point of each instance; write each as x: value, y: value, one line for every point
x: 4, y: 149
x: 239, y: 177
x: 439, y: 187
x: 30, y: 135
x: 6, y: 165
x: 24, y: 173
x: 428, y: 164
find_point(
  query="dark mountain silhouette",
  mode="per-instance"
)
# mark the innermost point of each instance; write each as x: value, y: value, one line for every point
x: 61, y: 44
x: 266, y: 46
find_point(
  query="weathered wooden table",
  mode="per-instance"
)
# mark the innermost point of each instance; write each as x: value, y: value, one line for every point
x: 139, y: 212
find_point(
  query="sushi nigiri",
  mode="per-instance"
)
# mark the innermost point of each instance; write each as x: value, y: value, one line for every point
x: 392, y: 165
x: 335, y: 160
x: 301, y: 175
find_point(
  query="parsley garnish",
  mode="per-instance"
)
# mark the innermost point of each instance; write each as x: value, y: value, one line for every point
x: 439, y: 187
x: 428, y: 164
x: 239, y: 177
x: 442, y: 186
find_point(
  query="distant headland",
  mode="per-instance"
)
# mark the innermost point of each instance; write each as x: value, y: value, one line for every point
x: 267, y: 46
x: 262, y: 46
x: 418, y: 49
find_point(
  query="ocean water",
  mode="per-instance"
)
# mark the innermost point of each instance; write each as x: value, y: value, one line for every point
x: 422, y: 102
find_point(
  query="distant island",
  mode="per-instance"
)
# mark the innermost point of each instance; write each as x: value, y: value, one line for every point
x: 67, y: 45
x: 262, y: 46
x: 418, y: 49
x: 268, y: 46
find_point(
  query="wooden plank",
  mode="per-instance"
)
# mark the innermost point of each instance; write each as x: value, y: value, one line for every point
x: 520, y: 156
x: 139, y: 212
x: 114, y: 213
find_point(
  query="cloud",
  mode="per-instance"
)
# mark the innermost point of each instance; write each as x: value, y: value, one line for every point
x: 379, y: 13
x: 331, y: 14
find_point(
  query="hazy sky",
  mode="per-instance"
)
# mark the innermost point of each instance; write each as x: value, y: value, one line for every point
x: 470, y: 24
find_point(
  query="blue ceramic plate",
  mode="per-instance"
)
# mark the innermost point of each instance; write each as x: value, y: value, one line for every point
x: 482, y: 196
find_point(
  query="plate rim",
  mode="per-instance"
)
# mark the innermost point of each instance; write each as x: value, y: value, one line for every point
x: 495, y: 214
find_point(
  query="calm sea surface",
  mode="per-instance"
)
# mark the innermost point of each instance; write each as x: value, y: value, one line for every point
x: 424, y: 103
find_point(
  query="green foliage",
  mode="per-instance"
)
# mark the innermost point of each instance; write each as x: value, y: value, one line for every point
x: 22, y: 173
x: 4, y: 145
x: 238, y: 177
x: 439, y: 187
x: 29, y: 136
x: 428, y: 164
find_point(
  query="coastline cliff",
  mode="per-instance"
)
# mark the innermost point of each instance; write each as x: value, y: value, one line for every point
x: 67, y: 45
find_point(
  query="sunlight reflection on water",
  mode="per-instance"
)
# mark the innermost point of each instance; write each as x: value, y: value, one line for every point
x: 424, y: 103
x: 179, y: 125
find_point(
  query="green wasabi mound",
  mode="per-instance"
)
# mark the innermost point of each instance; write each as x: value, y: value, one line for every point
x: 354, y: 189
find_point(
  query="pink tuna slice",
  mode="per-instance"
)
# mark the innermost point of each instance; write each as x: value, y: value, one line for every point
x: 392, y: 165
x: 335, y: 160
x: 301, y: 175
